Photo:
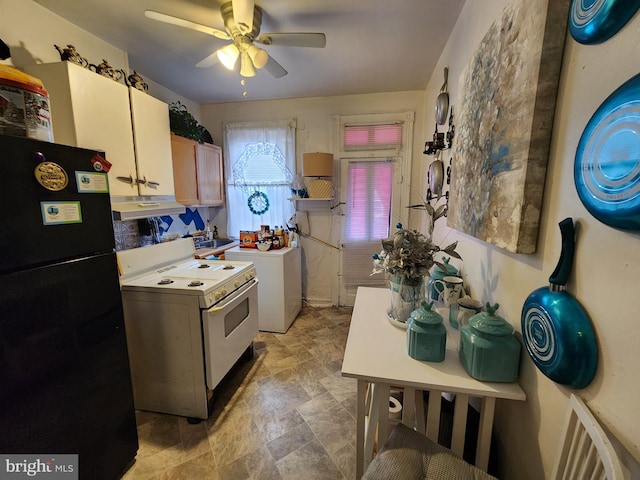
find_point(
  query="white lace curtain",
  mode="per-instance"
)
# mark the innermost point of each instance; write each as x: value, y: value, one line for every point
x: 259, y: 157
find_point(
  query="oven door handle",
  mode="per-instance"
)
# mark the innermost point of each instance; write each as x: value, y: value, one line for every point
x: 237, y: 293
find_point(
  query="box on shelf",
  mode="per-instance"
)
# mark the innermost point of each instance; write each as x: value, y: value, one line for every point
x: 248, y: 239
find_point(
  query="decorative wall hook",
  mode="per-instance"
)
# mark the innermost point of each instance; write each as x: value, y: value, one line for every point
x: 452, y: 130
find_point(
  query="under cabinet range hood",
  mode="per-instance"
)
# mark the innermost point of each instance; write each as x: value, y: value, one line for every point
x: 133, y: 208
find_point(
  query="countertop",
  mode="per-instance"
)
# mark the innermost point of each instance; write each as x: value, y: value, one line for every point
x: 207, y: 252
x: 254, y: 251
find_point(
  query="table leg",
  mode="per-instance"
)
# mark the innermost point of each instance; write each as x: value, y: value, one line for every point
x: 382, y: 397
x: 361, y: 413
x: 377, y: 422
x: 370, y: 426
x: 484, y: 432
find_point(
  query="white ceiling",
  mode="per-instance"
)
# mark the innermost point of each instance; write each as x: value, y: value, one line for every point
x: 372, y: 45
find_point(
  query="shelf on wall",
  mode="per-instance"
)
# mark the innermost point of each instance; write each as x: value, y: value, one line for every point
x: 313, y: 203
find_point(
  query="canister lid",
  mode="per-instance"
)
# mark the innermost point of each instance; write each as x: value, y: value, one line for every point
x: 15, y: 78
x: 439, y: 272
x: 471, y: 303
x: 425, y: 316
x: 490, y: 323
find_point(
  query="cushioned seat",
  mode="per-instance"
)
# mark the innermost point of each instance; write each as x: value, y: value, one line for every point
x: 409, y: 455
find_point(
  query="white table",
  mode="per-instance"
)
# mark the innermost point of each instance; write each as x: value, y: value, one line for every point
x: 376, y: 355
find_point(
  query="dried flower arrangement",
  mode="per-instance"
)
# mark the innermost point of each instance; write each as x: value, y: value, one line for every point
x: 409, y: 254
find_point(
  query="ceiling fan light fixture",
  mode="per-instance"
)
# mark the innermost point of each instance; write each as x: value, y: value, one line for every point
x: 243, y: 15
x: 259, y: 57
x: 247, y: 68
x: 228, y: 56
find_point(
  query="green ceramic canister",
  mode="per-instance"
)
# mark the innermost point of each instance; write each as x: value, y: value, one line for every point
x: 426, y: 335
x: 488, y: 349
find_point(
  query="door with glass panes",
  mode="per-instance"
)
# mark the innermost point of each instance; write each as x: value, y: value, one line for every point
x: 371, y: 189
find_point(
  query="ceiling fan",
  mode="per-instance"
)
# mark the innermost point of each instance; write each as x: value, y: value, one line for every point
x: 242, y: 21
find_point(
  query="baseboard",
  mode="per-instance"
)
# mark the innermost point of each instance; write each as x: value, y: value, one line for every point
x: 317, y: 302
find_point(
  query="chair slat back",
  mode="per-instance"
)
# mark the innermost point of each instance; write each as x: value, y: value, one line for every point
x: 586, y: 452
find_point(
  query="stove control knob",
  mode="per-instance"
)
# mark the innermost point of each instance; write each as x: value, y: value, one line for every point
x: 224, y: 291
x: 237, y: 283
x: 218, y: 295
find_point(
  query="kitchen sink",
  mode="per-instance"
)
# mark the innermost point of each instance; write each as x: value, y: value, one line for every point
x: 219, y: 242
x: 215, y: 243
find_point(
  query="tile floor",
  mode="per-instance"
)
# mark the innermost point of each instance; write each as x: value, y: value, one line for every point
x: 286, y: 414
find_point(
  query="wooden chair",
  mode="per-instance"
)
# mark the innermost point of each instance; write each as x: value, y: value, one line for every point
x: 586, y: 452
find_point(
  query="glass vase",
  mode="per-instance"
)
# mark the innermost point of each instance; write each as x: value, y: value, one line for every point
x: 406, y: 295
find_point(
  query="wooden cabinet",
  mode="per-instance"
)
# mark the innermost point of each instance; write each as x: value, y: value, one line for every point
x: 91, y: 111
x: 197, y: 172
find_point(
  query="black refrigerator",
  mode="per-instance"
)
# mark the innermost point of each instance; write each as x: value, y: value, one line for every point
x: 65, y: 386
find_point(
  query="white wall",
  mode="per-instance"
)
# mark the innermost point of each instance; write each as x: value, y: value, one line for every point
x: 314, y: 133
x: 607, y: 261
x: 31, y: 31
x: 607, y: 266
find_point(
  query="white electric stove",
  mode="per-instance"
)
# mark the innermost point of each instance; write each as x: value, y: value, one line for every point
x: 188, y: 321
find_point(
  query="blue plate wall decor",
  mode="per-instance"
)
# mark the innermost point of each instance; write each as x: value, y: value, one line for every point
x: 607, y: 163
x: 595, y: 21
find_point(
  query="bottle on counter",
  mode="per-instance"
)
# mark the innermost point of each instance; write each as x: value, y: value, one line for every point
x: 208, y: 235
x: 215, y: 232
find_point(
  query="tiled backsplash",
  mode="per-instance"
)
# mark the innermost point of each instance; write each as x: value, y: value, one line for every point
x: 127, y: 235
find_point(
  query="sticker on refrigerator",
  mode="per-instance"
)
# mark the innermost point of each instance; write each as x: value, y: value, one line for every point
x: 55, y: 213
x: 92, y: 182
x: 51, y: 176
x: 100, y: 164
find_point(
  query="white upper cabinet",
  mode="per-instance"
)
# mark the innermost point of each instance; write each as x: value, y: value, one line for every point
x: 152, y: 137
x: 91, y: 111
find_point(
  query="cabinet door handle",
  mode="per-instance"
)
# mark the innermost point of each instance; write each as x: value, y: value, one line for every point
x: 148, y: 183
x: 128, y: 179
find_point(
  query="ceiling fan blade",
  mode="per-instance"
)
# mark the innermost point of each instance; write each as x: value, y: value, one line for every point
x: 243, y: 14
x: 181, y: 22
x: 274, y: 68
x: 315, y: 40
x: 209, y: 61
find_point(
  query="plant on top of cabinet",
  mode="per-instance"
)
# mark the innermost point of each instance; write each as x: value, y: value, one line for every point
x: 197, y: 172
x: 185, y: 125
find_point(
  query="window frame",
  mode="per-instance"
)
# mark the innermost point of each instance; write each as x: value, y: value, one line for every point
x: 401, y: 155
x: 277, y: 192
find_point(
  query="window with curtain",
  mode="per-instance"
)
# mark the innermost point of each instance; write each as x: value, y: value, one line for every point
x: 372, y: 137
x: 259, y: 161
x: 368, y: 206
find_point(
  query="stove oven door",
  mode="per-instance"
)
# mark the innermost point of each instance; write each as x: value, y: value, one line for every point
x: 229, y: 329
